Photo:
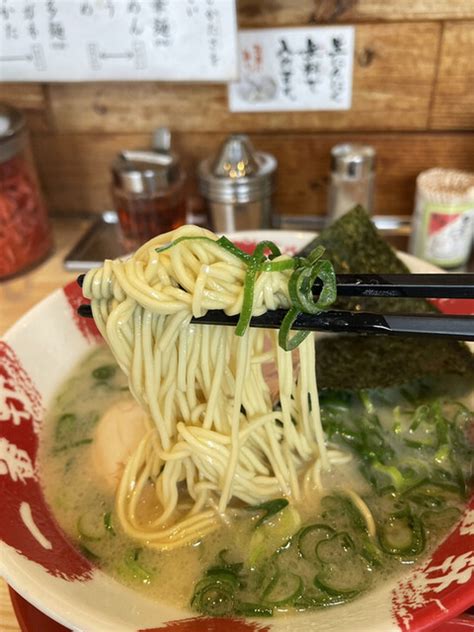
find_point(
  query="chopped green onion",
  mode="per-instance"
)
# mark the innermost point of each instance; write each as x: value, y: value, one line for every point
x: 225, y: 243
x: 89, y: 527
x: 258, y: 253
x: 270, y: 508
x: 309, y: 537
x: 284, y: 589
x: 247, y: 303
x: 104, y: 372
x: 185, y: 238
x: 90, y: 555
x: 65, y: 426
x: 136, y: 569
x: 285, y: 342
x: 75, y: 444
x: 276, y: 266
x: 108, y: 523
x: 213, y: 598
x: 392, y: 472
x: 316, y: 254
x: 402, y: 534
x: 223, y: 574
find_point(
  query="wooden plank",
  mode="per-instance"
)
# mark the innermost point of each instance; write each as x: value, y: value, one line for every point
x: 453, y: 105
x: 29, y: 97
x: 74, y: 168
x: 264, y: 13
x: 393, y: 81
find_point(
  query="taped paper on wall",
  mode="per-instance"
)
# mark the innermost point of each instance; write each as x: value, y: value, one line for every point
x: 87, y: 40
x: 294, y: 69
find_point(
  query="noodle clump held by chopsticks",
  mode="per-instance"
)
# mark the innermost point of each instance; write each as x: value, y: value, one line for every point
x: 214, y: 434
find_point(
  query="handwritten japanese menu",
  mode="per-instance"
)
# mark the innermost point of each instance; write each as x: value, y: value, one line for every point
x: 294, y: 69
x: 85, y: 40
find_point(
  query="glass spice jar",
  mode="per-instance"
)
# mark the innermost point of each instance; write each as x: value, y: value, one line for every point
x: 443, y: 219
x: 25, y: 237
x: 352, y: 179
x: 148, y: 189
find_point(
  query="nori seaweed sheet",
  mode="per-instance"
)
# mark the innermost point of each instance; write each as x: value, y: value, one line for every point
x: 354, y: 245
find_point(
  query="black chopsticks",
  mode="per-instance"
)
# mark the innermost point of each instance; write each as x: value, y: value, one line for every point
x: 399, y: 285
x: 406, y: 285
x: 374, y: 285
x: 435, y: 325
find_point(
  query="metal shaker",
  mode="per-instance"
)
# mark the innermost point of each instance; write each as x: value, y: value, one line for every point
x: 238, y: 185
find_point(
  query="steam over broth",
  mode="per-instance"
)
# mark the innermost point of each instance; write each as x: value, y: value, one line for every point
x: 391, y: 498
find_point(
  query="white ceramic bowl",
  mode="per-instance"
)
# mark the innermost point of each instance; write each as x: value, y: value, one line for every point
x: 38, y: 561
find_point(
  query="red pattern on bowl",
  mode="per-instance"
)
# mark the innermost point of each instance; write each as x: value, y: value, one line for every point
x: 21, y: 412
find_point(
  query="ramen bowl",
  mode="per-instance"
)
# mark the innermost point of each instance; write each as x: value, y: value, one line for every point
x: 42, y: 565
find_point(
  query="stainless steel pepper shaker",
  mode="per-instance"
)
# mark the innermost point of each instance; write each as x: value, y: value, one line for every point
x: 238, y: 185
x: 352, y: 179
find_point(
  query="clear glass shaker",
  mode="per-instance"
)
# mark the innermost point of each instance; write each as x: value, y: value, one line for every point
x: 148, y: 189
x: 352, y: 179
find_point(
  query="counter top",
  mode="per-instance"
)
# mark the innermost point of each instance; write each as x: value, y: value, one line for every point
x: 19, y: 294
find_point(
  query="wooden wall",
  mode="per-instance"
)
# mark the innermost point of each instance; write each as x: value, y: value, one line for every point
x: 413, y: 99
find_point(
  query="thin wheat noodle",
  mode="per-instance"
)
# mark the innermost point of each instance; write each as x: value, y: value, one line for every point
x: 214, y: 436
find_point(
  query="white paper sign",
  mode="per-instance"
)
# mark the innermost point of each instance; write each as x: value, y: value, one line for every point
x: 87, y: 40
x: 294, y: 69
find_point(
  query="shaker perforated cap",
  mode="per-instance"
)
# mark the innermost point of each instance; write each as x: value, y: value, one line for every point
x: 238, y: 174
x: 353, y: 160
x: 149, y: 171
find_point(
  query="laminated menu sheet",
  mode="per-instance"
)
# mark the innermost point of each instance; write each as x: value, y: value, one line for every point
x: 288, y: 69
x: 87, y: 40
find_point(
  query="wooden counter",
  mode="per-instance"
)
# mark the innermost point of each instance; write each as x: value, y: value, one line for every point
x: 18, y: 295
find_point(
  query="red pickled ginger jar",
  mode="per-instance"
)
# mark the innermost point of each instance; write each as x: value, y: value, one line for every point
x: 25, y: 236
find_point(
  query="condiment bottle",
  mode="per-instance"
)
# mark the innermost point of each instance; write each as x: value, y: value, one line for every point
x: 25, y: 237
x: 149, y: 191
x: 352, y: 179
x: 238, y: 185
x: 443, y: 220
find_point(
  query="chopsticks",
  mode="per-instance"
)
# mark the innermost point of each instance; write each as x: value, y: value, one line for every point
x: 398, y: 285
x: 406, y: 285
x: 388, y: 285
x: 434, y: 325
x: 438, y: 325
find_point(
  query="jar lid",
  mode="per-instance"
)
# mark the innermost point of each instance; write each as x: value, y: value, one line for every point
x: 446, y: 186
x: 12, y: 126
x: 147, y: 172
x: 352, y: 160
x: 238, y: 174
